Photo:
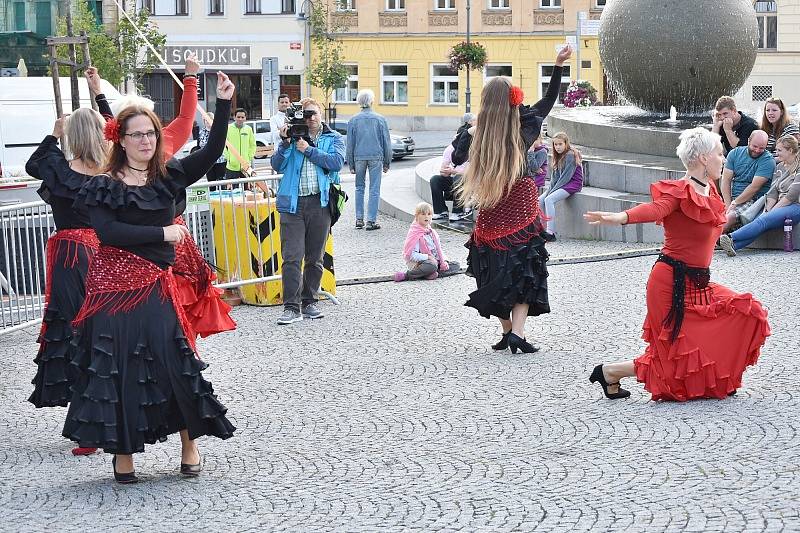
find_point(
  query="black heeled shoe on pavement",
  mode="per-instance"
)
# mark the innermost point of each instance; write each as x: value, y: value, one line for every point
x: 597, y: 376
x: 515, y: 342
x: 123, y: 479
x: 547, y: 236
x: 503, y: 344
x: 191, y: 470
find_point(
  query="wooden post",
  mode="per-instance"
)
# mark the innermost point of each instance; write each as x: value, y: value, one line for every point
x: 56, y: 81
x: 73, y: 75
x: 88, y: 62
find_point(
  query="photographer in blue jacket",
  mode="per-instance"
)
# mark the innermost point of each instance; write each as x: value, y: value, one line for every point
x: 309, y: 156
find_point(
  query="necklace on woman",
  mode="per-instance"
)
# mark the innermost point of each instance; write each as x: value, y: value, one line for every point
x: 140, y: 180
x: 697, y: 181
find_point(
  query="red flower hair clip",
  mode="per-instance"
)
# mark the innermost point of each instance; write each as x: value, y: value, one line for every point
x: 111, y: 131
x: 515, y: 96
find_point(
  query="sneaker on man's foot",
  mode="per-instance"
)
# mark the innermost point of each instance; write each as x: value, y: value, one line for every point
x: 359, y: 223
x: 312, y: 311
x: 464, y: 216
x: 440, y: 216
x: 726, y: 242
x: 371, y: 226
x: 289, y: 316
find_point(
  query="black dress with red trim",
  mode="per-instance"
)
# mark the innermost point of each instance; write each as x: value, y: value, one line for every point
x: 69, y: 252
x: 139, y: 377
x: 507, y: 255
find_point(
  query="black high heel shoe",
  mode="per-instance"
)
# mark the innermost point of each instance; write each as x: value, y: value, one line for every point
x: 503, y: 344
x: 515, y: 342
x: 123, y: 479
x: 188, y: 470
x: 597, y: 376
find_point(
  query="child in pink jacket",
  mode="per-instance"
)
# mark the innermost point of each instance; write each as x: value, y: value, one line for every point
x: 422, y: 250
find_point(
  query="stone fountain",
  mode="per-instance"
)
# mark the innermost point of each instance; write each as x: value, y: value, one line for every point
x: 659, y: 54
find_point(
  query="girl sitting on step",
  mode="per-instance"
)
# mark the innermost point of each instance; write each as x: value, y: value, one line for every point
x: 566, y: 178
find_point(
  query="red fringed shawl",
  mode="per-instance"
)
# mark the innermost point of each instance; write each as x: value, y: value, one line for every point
x: 71, y: 241
x: 515, y: 220
x: 118, y: 281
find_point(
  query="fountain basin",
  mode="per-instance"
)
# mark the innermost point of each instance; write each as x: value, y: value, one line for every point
x: 622, y: 129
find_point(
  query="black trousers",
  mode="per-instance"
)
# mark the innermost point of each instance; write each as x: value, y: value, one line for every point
x: 442, y: 190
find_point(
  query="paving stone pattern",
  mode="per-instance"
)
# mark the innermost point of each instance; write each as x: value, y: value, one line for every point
x: 393, y: 414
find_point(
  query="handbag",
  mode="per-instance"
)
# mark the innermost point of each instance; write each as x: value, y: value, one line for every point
x: 336, y: 200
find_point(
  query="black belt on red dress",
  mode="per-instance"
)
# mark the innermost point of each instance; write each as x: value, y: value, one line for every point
x: 699, y: 277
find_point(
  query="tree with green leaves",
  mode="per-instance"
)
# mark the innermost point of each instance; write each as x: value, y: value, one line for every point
x: 327, y: 71
x: 117, y: 56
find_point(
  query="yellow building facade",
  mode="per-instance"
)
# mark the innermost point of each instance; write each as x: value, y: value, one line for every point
x: 399, y: 49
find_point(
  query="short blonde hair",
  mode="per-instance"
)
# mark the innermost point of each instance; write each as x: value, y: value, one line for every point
x: 423, y: 208
x: 85, y: 139
x: 305, y: 102
x: 694, y: 143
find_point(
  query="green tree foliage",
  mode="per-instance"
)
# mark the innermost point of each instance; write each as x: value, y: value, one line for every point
x: 117, y: 56
x: 327, y: 71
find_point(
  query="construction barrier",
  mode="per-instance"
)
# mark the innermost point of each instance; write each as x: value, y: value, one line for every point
x: 247, y: 245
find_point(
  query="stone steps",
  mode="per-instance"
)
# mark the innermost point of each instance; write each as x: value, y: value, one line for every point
x: 611, y: 185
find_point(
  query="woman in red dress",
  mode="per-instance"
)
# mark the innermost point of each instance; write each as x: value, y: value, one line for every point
x: 701, y: 335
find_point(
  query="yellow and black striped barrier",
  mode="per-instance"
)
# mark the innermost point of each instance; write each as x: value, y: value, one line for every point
x: 247, y: 245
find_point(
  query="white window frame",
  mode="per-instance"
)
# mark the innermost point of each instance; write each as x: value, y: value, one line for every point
x: 450, y: 5
x: 399, y: 5
x: 447, y: 80
x: 550, y: 4
x: 210, y: 5
x: 345, y: 5
x: 486, y: 76
x: 351, y: 78
x: 396, y: 80
x: 542, y: 79
x: 766, y: 12
x: 174, y: 12
x: 501, y: 4
x: 265, y: 4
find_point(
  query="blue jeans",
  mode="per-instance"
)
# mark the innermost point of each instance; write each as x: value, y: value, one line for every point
x: 766, y: 221
x: 375, y: 168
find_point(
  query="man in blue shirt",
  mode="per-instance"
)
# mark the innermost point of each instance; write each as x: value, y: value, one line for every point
x: 308, y: 170
x: 747, y: 176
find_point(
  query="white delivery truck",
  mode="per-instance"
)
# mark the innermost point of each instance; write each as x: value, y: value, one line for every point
x: 27, y: 113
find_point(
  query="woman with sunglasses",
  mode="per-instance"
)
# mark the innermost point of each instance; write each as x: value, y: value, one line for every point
x: 777, y: 123
x: 139, y: 377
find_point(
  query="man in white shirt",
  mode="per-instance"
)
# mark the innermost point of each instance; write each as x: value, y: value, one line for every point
x: 277, y: 120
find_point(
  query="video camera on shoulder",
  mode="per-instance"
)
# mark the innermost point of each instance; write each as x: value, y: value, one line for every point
x: 296, y: 119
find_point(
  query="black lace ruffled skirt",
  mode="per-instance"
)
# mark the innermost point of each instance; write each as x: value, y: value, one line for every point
x: 54, y: 375
x: 509, y: 277
x: 139, y: 381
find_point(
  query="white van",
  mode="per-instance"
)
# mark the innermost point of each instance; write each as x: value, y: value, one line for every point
x: 27, y: 113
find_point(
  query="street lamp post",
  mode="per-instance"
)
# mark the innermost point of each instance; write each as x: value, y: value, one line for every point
x: 468, y: 93
x: 305, y: 16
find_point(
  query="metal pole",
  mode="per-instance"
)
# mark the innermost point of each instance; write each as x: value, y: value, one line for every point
x: 307, y: 37
x: 468, y: 93
x: 578, y: 46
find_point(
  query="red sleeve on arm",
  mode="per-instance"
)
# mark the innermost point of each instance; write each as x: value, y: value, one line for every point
x: 654, y: 211
x: 177, y: 132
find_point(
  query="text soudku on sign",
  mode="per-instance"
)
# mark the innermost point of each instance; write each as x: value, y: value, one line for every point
x: 209, y: 54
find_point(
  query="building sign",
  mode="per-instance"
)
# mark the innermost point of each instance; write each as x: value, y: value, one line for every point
x: 209, y: 55
x: 295, y: 46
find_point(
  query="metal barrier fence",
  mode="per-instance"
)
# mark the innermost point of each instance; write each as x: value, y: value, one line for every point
x: 232, y: 226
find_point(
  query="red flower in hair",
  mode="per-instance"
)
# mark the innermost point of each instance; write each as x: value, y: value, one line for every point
x: 515, y: 95
x: 111, y: 131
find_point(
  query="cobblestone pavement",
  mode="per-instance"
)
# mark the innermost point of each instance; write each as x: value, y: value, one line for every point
x: 393, y: 414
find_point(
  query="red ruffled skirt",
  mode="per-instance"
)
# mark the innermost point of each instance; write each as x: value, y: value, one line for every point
x: 719, y: 338
x: 207, y: 314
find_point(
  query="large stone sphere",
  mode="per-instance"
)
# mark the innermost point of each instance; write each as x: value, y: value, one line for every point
x: 685, y: 53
